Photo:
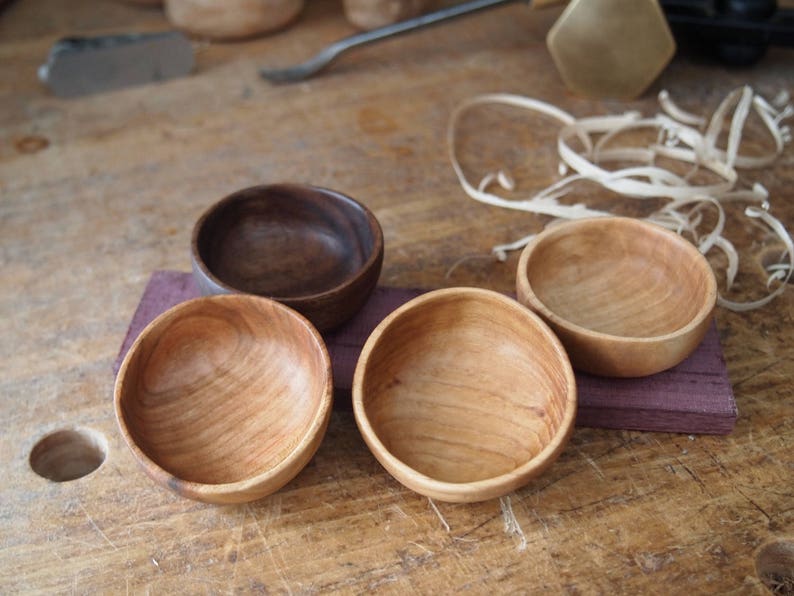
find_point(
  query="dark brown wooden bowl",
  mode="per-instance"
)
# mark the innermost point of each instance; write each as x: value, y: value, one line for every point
x: 626, y: 297
x: 224, y: 399
x: 464, y: 395
x: 315, y: 250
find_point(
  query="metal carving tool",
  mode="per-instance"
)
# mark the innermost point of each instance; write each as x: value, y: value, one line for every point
x: 602, y: 48
x: 331, y: 52
x: 79, y: 66
x: 607, y: 48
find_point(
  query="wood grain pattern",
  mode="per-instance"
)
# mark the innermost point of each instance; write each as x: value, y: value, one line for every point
x: 627, y: 298
x: 370, y: 14
x: 225, y: 399
x: 693, y: 397
x: 315, y: 250
x: 231, y: 19
x: 463, y: 395
x: 112, y: 196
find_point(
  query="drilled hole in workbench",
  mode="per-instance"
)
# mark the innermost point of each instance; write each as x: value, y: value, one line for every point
x: 774, y: 564
x: 68, y: 454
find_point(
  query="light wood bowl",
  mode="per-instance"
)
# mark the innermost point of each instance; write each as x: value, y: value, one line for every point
x: 231, y: 19
x: 627, y: 298
x: 315, y: 250
x: 225, y: 399
x: 371, y: 14
x: 464, y: 395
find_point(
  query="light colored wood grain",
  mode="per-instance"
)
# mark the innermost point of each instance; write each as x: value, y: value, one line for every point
x: 627, y: 298
x: 231, y: 19
x: 112, y: 193
x: 144, y: 2
x: 463, y: 395
x: 370, y: 14
x: 225, y: 399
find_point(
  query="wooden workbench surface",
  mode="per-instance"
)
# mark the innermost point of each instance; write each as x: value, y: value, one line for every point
x: 96, y: 193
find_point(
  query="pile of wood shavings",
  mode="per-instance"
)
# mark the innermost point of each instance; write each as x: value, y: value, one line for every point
x: 681, y: 137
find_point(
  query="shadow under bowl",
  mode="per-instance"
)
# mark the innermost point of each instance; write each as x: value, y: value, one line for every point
x: 224, y: 399
x: 627, y: 298
x: 313, y: 249
x: 464, y: 395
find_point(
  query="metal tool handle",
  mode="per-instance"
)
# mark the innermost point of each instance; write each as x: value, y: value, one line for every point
x: 330, y: 53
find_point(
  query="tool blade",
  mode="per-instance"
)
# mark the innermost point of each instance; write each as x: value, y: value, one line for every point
x: 84, y: 65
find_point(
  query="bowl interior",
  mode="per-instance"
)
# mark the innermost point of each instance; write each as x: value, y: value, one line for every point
x: 285, y: 241
x: 619, y: 277
x: 466, y: 387
x: 222, y: 389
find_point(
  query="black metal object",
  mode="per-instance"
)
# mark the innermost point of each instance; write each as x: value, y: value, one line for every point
x: 735, y: 31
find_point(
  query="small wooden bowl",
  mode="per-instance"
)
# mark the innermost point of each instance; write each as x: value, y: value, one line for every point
x: 315, y: 250
x: 231, y: 19
x: 371, y: 14
x: 225, y: 399
x: 627, y: 298
x: 464, y: 395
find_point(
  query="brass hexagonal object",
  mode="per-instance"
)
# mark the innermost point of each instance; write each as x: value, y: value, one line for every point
x: 611, y: 48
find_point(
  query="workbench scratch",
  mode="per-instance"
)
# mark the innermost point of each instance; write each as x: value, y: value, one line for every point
x: 592, y: 462
x: 541, y: 521
x: 438, y: 513
x: 96, y: 527
x: 769, y: 366
x: 234, y: 556
x: 268, y: 548
x: 112, y: 195
x: 694, y: 476
x: 753, y: 503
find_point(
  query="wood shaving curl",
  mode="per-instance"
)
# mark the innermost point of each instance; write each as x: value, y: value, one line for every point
x: 682, y: 137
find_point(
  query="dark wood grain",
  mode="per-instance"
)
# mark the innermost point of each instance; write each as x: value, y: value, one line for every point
x: 315, y: 250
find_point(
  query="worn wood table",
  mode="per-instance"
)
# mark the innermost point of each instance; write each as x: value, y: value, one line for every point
x: 98, y: 192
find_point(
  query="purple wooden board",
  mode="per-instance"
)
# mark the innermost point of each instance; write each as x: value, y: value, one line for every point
x: 693, y: 397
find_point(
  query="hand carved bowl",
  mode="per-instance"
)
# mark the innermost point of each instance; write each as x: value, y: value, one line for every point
x: 315, y: 250
x: 627, y: 298
x: 224, y: 399
x: 464, y: 395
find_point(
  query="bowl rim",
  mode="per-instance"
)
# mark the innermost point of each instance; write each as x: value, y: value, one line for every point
x: 704, y: 311
x: 253, y: 484
x: 239, y: 195
x: 493, y: 486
